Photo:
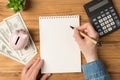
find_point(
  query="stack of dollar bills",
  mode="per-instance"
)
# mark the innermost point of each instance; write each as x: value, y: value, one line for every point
x: 7, y: 26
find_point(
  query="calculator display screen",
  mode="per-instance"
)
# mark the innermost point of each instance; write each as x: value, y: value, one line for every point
x: 100, y: 4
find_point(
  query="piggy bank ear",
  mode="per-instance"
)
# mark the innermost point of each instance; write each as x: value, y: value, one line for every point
x: 19, y: 39
x: 15, y: 31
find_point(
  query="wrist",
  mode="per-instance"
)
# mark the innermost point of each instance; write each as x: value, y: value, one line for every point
x: 91, y: 58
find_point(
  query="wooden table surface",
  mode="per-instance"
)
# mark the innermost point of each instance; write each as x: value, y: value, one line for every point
x: 109, y: 53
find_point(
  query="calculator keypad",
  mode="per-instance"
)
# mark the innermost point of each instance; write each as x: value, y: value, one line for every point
x: 107, y: 21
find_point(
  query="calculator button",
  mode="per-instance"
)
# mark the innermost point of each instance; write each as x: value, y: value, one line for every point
x: 105, y: 31
x: 109, y: 16
x: 112, y: 10
x: 112, y: 23
x: 110, y: 29
x: 102, y: 12
x: 114, y: 27
x: 101, y: 20
x: 117, y: 22
x: 108, y: 25
x: 115, y: 17
x: 98, y: 26
x: 106, y: 22
x: 99, y: 17
x: 106, y: 9
x: 107, y: 13
x: 113, y: 14
x: 104, y: 27
x: 111, y: 7
x: 110, y: 20
x: 96, y: 23
x: 94, y: 19
x: 103, y: 15
x: 105, y: 18
x: 102, y: 24
x: 99, y: 30
x: 101, y: 33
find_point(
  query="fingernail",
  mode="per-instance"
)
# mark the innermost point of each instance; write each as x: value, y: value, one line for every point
x: 49, y: 74
x: 42, y: 59
x: 37, y: 59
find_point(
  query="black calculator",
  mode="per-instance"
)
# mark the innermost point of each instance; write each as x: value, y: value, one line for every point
x: 103, y: 16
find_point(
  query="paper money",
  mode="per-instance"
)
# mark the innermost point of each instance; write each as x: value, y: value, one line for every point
x: 10, y: 24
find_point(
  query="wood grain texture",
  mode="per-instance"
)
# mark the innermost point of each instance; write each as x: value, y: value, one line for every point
x: 109, y: 53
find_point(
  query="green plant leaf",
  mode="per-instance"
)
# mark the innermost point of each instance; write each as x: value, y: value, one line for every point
x: 21, y: 7
x: 16, y: 1
x: 9, y: 5
x: 17, y: 5
x: 19, y: 2
x: 16, y: 8
x: 22, y: 0
x: 11, y: 1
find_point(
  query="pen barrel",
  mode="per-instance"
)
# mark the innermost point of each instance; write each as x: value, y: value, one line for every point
x: 90, y: 39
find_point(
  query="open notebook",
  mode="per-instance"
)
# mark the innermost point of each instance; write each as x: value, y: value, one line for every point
x: 58, y: 48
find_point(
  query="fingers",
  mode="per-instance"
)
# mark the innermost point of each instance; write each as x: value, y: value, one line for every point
x: 33, y: 67
x: 26, y: 68
x: 45, y: 76
x: 77, y: 36
x: 87, y: 26
x: 89, y: 30
x: 37, y: 68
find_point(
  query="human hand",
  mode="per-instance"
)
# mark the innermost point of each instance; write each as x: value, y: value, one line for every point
x: 31, y: 71
x: 88, y: 48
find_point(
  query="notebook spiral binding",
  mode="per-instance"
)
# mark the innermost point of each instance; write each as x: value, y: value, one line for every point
x: 54, y: 17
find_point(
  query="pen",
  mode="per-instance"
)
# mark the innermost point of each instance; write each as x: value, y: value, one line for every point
x: 89, y: 38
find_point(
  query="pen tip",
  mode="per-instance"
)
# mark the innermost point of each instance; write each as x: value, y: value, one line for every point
x: 72, y: 27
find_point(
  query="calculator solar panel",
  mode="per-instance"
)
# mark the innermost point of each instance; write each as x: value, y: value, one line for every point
x: 103, y: 16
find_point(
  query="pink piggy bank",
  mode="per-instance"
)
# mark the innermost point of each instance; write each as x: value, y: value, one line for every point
x: 19, y: 39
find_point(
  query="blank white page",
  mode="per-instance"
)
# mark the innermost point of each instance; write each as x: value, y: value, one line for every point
x: 58, y: 48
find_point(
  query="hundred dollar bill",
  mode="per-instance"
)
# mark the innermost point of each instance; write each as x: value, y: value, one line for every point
x: 5, y: 50
x: 4, y: 38
x: 12, y: 23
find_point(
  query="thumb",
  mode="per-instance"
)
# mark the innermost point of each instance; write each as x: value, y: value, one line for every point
x: 45, y: 76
